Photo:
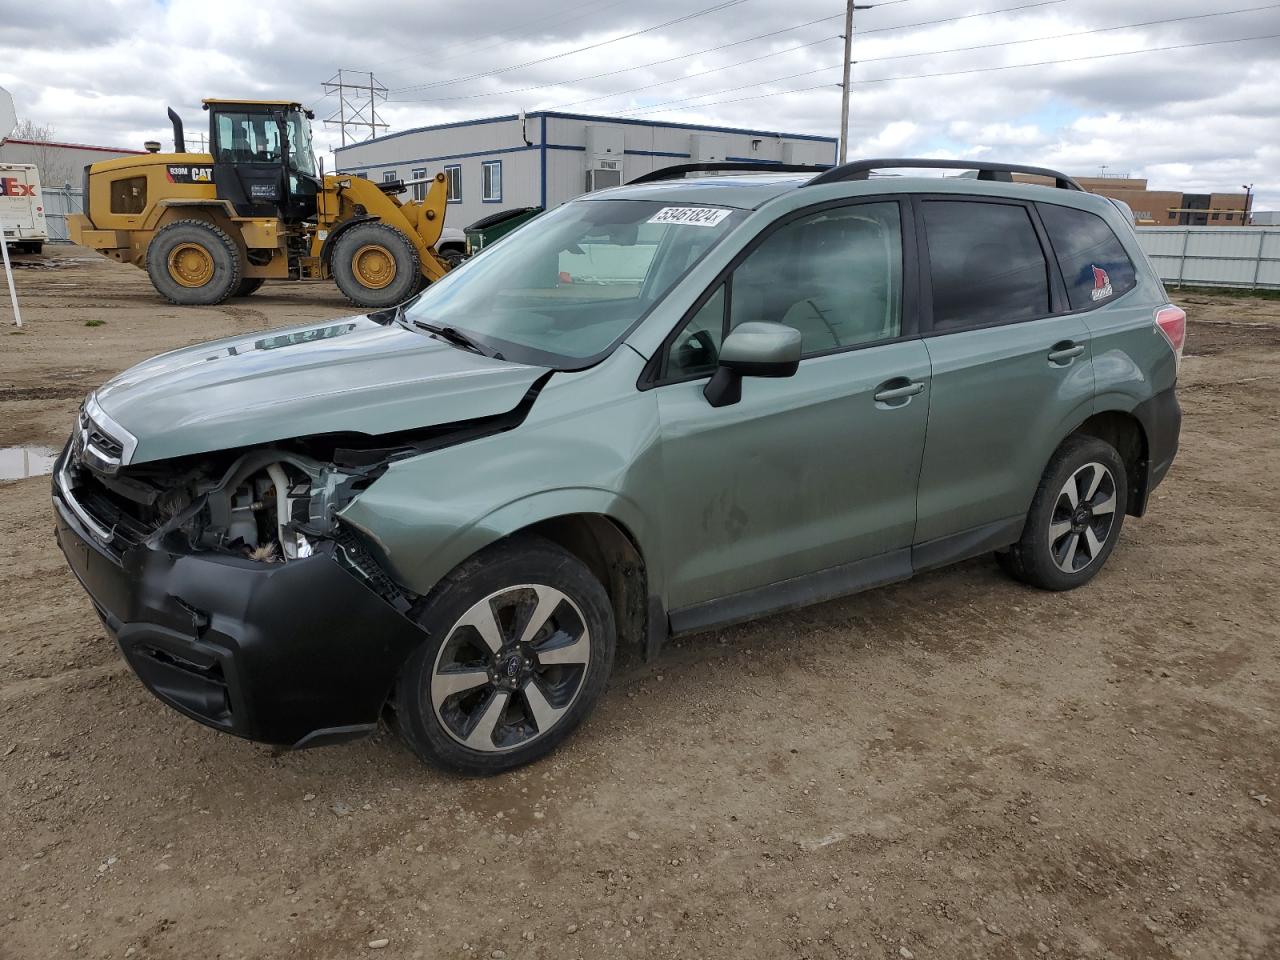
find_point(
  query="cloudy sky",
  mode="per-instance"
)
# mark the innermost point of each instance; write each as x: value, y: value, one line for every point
x: 1199, y: 117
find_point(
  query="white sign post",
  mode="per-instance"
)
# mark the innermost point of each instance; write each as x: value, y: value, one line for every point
x: 8, y: 120
x: 8, y: 275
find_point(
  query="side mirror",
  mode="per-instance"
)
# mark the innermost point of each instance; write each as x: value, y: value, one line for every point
x: 754, y: 349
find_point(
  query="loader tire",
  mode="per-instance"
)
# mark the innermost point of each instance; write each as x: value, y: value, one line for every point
x: 248, y: 286
x: 375, y: 265
x: 194, y: 263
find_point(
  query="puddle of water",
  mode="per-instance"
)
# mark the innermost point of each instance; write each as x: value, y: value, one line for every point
x: 29, y: 461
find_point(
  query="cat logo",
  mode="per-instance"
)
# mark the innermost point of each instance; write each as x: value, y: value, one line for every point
x: 176, y: 174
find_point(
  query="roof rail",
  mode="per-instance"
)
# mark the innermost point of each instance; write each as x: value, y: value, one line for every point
x: 861, y: 170
x: 728, y: 166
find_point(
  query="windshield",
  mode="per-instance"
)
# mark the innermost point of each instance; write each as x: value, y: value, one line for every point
x: 302, y: 158
x: 255, y: 138
x: 568, y: 285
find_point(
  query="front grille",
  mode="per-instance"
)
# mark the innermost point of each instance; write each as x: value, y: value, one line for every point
x: 122, y: 523
x: 113, y: 449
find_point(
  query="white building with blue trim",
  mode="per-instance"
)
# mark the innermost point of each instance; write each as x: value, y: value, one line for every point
x: 546, y: 158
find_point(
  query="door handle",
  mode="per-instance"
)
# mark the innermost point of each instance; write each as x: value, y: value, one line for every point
x: 1063, y: 353
x: 887, y: 393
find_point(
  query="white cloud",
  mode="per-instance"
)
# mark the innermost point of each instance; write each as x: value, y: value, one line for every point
x: 1202, y: 118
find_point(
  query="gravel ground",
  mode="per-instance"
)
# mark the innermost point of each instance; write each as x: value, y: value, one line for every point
x: 953, y: 767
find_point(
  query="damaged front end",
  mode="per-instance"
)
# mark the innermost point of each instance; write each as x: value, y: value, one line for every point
x: 235, y: 590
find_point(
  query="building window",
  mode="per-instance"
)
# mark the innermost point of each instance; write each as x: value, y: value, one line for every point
x: 1228, y: 217
x: 453, y: 173
x: 419, y: 189
x: 362, y: 174
x: 389, y: 176
x: 1214, y: 217
x: 491, y: 181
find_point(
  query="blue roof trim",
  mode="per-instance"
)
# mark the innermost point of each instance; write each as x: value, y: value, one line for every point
x: 689, y: 126
x: 542, y: 114
x: 542, y: 148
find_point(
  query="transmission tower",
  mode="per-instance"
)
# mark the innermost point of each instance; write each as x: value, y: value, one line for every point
x: 358, y: 96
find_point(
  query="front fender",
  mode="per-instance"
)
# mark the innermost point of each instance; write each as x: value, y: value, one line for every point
x: 420, y: 562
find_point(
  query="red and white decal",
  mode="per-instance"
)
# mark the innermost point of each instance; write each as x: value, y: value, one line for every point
x: 13, y: 187
x: 1101, y: 284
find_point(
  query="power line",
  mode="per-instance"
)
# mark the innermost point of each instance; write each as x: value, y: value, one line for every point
x: 1064, y: 36
x: 722, y: 46
x: 568, y: 53
x: 984, y: 46
x: 690, y: 76
x: 587, y: 12
x: 638, y: 66
x: 957, y: 73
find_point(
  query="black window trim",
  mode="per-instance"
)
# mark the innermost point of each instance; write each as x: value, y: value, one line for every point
x: 654, y: 372
x: 1058, y: 303
x: 1057, y: 267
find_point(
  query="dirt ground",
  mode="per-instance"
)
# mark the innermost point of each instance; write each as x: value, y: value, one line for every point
x: 953, y: 767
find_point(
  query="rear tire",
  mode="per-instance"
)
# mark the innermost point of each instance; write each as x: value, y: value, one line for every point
x: 249, y: 286
x: 520, y: 645
x: 1075, y: 517
x: 194, y: 263
x: 375, y: 265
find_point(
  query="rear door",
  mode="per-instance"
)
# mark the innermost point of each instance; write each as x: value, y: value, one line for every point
x: 1011, y: 371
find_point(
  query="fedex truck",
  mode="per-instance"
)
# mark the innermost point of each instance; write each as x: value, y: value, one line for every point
x: 22, y: 208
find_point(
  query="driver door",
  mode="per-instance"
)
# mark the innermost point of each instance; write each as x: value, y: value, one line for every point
x: 806, y: 487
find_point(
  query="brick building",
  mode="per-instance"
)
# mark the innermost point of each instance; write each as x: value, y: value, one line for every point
x: 1169, y: 208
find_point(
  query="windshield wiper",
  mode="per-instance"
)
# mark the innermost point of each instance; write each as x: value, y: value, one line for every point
x: 452, y: 334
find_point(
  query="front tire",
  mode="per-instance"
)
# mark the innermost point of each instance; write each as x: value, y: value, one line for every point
x: 194, y: 263
x: 521, y: 642
x: 375, y: 265
x: 1075, y: 517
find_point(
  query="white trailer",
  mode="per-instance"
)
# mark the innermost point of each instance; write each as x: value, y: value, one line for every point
x: 22, y: 208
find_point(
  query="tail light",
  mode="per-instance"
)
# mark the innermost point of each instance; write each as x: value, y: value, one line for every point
x: 1172, y: 322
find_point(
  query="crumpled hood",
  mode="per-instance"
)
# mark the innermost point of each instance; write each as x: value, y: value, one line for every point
x: 346, y: 375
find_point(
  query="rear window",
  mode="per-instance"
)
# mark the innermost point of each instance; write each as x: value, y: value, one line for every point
x: 986, y: 264
x: 1093, y: 262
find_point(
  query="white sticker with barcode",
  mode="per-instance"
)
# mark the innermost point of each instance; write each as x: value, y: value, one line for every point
x: 690, y: 216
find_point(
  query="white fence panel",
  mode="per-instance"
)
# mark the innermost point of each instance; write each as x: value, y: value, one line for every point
x: 1215, y: 256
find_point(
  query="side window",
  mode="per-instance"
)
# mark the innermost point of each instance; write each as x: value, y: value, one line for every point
x: 835, y: 275
x: 986, y: 264
x: 696, y: 348
x: 129, y: 196
x: 491, y: 181
x: 1093, y: 262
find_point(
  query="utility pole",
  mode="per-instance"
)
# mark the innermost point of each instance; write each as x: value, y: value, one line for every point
x: 849, y: 7
x: 357, y: 106
x: 844, y: 86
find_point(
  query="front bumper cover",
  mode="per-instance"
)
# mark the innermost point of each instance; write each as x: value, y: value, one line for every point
x: 298, y: 653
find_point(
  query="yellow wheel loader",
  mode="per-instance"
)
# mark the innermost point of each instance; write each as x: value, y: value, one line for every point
x: 208, y: 226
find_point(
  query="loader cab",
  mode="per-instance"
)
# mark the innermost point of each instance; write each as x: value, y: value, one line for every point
x: 263, y: 162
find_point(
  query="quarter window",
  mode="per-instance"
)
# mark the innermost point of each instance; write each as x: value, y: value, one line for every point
x: 1092, y: 259
x: 453, y: 174
x: 986, y: 264
x: 696, y: 349
x: 491, y: 181
x: 835, y: 275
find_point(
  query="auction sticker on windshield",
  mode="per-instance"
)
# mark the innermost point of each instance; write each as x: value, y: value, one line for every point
x: 690, y: 216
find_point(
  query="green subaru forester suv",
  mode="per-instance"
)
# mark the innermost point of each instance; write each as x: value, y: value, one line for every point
x: 667, y: 407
